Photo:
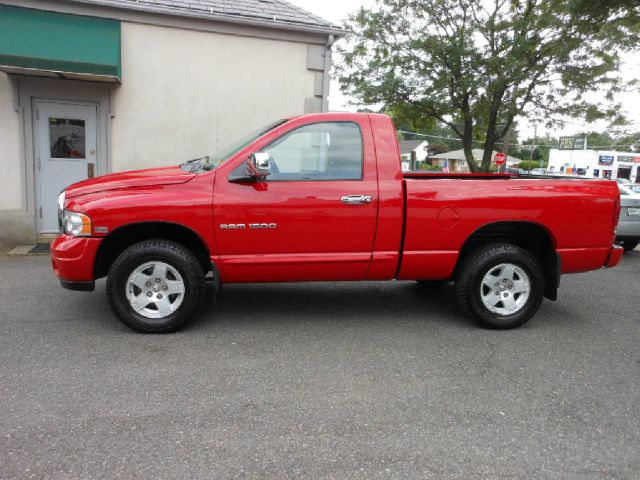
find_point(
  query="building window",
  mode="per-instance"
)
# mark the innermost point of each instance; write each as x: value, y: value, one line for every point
x: 624, y: 172
x: 67, y: 138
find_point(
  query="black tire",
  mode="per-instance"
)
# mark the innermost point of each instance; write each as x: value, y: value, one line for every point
x: 169, y: 253
x: 629, y: 245
x: 472, y: 271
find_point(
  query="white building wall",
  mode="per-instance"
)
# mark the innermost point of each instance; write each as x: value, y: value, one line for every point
x: 589, y: 160
x: 187, y: 93
x: 184, y: 93
x: 11, y: 179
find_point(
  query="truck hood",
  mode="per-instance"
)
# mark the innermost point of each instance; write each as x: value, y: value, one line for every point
x: 135, y: 178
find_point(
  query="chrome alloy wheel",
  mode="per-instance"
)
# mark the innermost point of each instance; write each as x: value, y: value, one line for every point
x: 155, y: 289
x: 505, y: 289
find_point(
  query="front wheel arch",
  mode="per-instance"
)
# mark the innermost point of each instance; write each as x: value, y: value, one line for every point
x: 126, y: 235
x: 124, y: 301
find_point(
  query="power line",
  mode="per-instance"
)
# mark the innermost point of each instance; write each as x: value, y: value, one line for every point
x: 511, y: 144
x: 432, y: 136
x: 609, y: 146
x: 459, y: 140
x: 435, y: 136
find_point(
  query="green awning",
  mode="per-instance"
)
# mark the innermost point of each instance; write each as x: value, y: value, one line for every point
x: 38, y: 42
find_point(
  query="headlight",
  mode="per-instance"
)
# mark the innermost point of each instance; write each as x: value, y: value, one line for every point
x: 77, y: 224
x: 61, y: 200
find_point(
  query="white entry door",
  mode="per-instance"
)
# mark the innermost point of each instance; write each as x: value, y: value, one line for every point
x: 65, y: 138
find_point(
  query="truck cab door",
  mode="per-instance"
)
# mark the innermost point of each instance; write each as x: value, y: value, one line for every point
x: 312, y: 218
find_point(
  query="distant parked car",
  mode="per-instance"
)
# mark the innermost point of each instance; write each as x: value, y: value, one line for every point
x: 628, y: 231
x: 538, y: 171
x: 623, y: 181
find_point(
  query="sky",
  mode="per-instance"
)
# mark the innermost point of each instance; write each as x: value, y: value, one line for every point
x: 337, y: 10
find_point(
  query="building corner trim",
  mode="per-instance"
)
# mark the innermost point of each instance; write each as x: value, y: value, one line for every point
x: 327, y: 73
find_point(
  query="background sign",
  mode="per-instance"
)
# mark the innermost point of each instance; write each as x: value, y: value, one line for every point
x: 572, y: 143
x: 605, y: 160
x: 628, y: 158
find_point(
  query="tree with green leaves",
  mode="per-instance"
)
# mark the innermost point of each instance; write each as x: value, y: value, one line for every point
x: 628, y: 141
x: 476, y: 65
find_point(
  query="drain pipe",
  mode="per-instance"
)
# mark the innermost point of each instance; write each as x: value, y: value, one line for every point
x: 326, y: 75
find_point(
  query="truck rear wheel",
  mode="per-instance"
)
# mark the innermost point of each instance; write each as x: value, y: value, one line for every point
x: 500, y: 285
x: 155, y: 286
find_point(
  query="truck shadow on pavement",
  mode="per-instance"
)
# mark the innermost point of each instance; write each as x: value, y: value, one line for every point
x: 307, y: 302
x: 339, y: 302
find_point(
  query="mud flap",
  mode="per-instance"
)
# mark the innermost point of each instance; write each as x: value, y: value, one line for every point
x: 553, y: 271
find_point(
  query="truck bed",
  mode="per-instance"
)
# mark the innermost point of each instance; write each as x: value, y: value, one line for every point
x: 442, y: 214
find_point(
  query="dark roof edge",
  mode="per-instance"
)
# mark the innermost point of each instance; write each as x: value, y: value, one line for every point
x: 220, y: 17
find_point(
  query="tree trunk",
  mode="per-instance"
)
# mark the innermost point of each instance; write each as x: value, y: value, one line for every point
x: 467, y: 146
x: 505, y: 149
x: 467, y: 135
x: 492, y: 126
x: 489, y: 145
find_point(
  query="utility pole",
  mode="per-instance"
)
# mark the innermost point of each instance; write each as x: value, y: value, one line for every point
x: 535, y: 143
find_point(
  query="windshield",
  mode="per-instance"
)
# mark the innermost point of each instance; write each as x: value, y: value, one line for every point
x: 229, y: 151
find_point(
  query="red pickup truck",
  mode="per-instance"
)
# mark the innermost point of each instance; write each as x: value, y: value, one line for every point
x: 320, y: 198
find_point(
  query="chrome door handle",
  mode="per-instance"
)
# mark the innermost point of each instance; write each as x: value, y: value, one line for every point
x: 356, y: 199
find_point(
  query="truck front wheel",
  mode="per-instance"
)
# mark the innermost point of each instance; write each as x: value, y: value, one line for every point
x: 155, y: 286
x: 500, y: 285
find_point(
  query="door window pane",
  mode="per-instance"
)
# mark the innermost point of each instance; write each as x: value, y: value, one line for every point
x: 322, y: 151
x: 67, y: 138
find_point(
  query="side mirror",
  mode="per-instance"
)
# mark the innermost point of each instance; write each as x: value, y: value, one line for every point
x: 259, y: 165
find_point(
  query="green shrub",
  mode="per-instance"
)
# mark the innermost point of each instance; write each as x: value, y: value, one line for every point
x: 529, y: 165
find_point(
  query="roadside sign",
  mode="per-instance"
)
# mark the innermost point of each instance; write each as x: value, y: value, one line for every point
x: 501, y: 158
x: 572, y: 143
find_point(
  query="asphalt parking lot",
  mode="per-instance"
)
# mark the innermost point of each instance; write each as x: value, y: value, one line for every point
x: 346, y: 380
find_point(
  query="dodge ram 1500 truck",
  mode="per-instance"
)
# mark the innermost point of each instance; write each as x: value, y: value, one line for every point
x: 323, y: 198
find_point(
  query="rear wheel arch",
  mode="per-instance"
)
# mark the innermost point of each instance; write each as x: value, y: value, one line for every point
x: 531, y: 236
x: 501, y: 285
x: 127, y: 235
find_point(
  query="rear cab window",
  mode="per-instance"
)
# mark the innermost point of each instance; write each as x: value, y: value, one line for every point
x: 319, y: 151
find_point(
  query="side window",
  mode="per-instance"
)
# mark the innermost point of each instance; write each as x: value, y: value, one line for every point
x: 321, y: 151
